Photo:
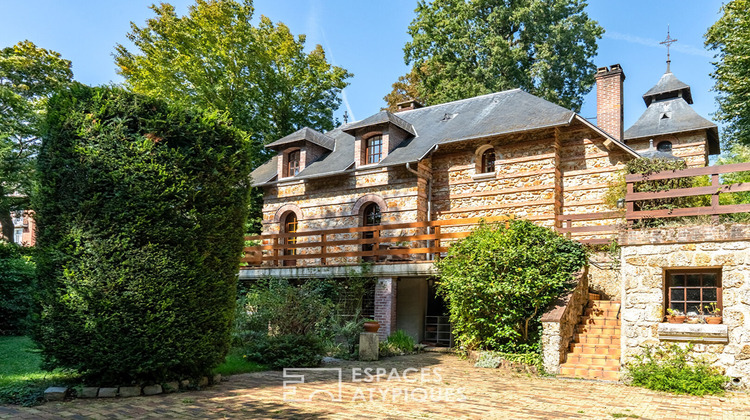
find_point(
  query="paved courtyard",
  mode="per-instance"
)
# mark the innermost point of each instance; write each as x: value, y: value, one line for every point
x: 429, y: 385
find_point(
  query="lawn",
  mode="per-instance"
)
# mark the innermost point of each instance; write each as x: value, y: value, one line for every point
x: 22, y: 380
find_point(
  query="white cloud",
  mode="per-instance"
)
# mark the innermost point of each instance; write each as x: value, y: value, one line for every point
x: 648, y: 42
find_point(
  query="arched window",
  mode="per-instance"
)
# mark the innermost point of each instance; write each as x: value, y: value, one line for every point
x: 488, y: 161
x: 292, y: 163
x: 290, y: 226
x: 374, y: 151
x: 664, y: 146
x: 370, y: 217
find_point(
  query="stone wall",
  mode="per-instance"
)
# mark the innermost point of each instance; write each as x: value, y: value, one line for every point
x: 691, y: 146
x: 559, y: 323
x: 647, y: 253
x: 604, y: 275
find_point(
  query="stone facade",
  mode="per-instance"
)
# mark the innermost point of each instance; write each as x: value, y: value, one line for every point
x: 691, y: 146
x: 648, y: 253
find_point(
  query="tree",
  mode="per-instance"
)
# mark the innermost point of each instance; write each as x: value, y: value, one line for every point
x: 404, y: 89
x: 216, y: 59
x: 28, y: 76
x: 499, y: 279
x: 729, y: 37
x: 141, y: 210
x: 738, y: 153
x: 460, y: 49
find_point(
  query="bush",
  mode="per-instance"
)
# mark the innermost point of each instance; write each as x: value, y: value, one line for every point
x: 499, y: 279
x: 141, y: 210
x: 397, y: 344
x: 287, y: 350
x: 16, y: 277
x: 673, y: 369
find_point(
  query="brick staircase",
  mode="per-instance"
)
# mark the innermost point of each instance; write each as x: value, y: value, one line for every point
x: 595, y: 350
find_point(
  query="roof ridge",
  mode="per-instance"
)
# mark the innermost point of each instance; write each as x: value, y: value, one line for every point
x: 460, y: 100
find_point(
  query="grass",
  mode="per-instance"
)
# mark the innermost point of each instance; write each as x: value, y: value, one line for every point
x: 236, y: 363
x: 22, y: 380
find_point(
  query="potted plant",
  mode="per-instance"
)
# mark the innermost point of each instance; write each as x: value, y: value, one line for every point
x: 371, y: 325
x: 714, y: 314
x: 675, y: 316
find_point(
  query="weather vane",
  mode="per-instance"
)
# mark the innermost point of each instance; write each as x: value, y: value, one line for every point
x: 346, y: 117
x: 669, y: 41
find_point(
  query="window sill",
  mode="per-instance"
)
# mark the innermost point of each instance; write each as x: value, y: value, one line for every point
x: 701, y: 333
x: 483, y: 176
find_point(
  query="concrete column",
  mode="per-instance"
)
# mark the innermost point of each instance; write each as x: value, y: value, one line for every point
x: 385, y: 305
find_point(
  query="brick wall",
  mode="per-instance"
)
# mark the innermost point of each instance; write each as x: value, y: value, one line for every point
x: 609, y: 116
x: 385, y: 305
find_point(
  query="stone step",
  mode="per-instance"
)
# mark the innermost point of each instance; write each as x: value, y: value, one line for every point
x: 596, y: 339
x: 610, y: 349
x: 576, y: 372
x: 604, y: 304
x: 597, y: 312
x: 598, y: 329
x: 591, y: 360
x: 614, y: 322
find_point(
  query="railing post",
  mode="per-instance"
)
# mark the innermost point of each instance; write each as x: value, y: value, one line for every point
x: 275, y: 252
x: 323, y: 248
x: 629, y: 205
x: 376, y: 244
x: 715, y: 198
x: 436, y: 255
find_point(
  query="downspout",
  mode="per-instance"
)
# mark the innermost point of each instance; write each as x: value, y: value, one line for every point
x: 429, y: 190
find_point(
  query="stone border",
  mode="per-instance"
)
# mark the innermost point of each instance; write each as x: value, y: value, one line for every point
x: 56, y: 393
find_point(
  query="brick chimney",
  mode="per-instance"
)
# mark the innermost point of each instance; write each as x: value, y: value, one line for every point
x: 408, y: 105
x: 609, y: 115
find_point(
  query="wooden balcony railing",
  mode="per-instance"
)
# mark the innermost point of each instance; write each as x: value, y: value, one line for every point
x: 425, y: 241
x: 714, y: 190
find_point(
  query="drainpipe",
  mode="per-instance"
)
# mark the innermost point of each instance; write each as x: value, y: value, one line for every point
x: 429, y: 190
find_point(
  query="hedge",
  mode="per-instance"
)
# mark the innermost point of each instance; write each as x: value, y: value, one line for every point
x: 140, y: 211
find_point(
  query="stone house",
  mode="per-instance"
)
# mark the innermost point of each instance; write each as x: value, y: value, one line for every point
x: 422, y: 176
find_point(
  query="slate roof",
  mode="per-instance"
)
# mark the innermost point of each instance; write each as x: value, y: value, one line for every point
x: 672, y: 116
x: 668, y: 84
x: 304, y: 134
x: 482, y: 116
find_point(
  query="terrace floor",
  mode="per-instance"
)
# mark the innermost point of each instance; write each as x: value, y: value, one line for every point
x: 460, y: 391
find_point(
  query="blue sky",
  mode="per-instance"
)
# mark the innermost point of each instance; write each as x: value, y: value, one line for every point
x: 367, y: 38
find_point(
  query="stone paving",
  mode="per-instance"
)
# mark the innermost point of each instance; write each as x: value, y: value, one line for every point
x: 428, y: 385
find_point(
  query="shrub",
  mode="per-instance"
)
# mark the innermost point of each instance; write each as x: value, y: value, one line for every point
x: 287, y: 350
x: 141, y: 210
x: 16, y: 277
x: 674, y: 369
x: 397, y: 344
x: 499, y: 279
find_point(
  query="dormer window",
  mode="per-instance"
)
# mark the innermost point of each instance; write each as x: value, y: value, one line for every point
x: 374, y: 151
x: 488, y: 161
x: 293, y: 163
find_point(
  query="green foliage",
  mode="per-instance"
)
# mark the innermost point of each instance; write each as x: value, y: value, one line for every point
x: 28, y: 76
x: 141, y: 212
x: 287, y: 350
x: 16, y: 276
x: 22, y: 381
x: 729, y: 38
x: 397, y: 344
x: 675, y: 369
x: 236, y: 362
x: 646, y: 166
x: 499, y: 279
x: 492, y: 359
x: 216, y: 59
x: 738, y: 153
x: 326, y: 312
x: 460, y: 49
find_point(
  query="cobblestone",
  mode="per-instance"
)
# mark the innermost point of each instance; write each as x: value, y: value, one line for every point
x: 487, y: 393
